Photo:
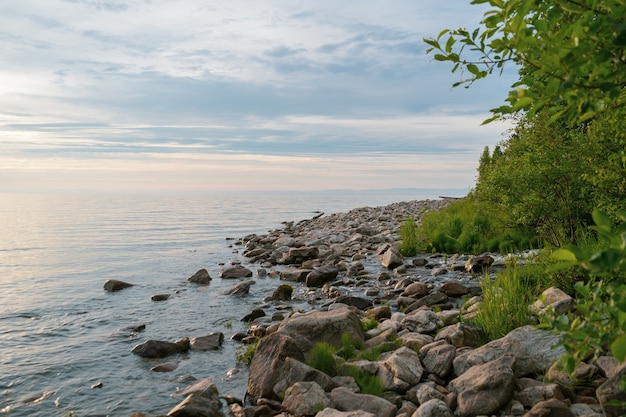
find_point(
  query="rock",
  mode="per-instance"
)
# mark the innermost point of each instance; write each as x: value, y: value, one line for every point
x: 478, y: 264
x: 400, y: 370
x: 432, y: 299
x: 295, y: 371
x: 201, y: 277
x: 426, y: 393
x: 212, y: 341
x: 346, y: 400
x: 305, y: 399
x: 350, y: 300
x: 379, y: 313
x: 294, y: 274
x: 416, y: 289
x: 462, y: 334
x: 421, y: 321
x: 113, y: 285
x: 391, y: 259
x: 433, y: 408
x: 550, y: 408
x: 414, y: 340
x: 160, y: 349
x: 485, y: 389
x: 322, y: 326
x: 199, y: 404
x: 454, y: 289
x: 530, y: 392
x: 241, y: 289
x: 253, y: 315
x: 535, y: 351
x: 437, y: 358
x: 282, y: 293
x: 318, y: 277
x: 611, y: 390
x: 160, y: 297
x: 165, y: 367
x: 556, y: 300
x: 331, y: 412
x: 233, y: 272
x: 435, y: 272
x: 268, y: 364
x: 381, y: 338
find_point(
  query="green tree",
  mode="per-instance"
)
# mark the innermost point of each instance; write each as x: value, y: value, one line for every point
x: 571, y: 54
x: 538, y: 179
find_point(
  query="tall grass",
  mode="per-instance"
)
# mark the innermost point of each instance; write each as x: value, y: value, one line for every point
x: 506, y: 300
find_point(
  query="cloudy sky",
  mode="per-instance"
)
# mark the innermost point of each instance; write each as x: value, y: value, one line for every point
x: 236, y: 95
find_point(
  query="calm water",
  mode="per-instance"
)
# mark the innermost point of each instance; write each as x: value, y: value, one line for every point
x: 61, y: 333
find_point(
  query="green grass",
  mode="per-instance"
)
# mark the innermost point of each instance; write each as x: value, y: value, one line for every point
x: 322, y: 358
x: 368, y: 383
x: 506, y: 299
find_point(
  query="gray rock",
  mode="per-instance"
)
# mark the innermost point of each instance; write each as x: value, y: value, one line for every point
x: 268, y: 364
x: 550, y: 408
x: 478, y: 264
x: 535, y: 351
x: 295, y: 371
x: 241, y: 289
x: 433, y: 408
x: 305, y: 399
x: 282, y: 293
x: 204, y: 403
x: 400, y: 370
x: 318, y: 277
x: 462, y: 334
x: 611, y: 390
x: 556, y: 300
x: 322, y: 326
x: 421, y: 321
x: 391, y: 259
x: 485, y: 389
x: 201, y: 277
x: 426, y: 393
x: 331, y: 412
x: 346, y: 400
x: 160, y: 349
x: 437, y: 358
x: 212, y: 341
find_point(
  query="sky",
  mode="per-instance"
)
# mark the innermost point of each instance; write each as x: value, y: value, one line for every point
x: 195, y: 95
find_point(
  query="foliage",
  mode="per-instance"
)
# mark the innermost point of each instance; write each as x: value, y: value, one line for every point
x: 322, y: 358
x: 505, y: 300
x: 470, y: 226
x: 369, y: 323
x: 571, y: 54
x: 408, y: 236
x: 602, y: 301
x: 373, y: 354
x: 536, y: 176
x: 348, y: 347
x: 368, y: 383
x: 245, y: 353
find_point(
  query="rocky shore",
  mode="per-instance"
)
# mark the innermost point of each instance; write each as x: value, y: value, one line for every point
x: 380, y: 323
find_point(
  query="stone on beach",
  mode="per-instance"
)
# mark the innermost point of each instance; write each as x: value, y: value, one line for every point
x: 211, y: 341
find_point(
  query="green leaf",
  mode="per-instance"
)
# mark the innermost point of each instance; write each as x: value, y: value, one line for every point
x: 564, y: 255
x: 522, y: 102
x: 618, y: 348
x: 602, y: 220
x: 473, y: 69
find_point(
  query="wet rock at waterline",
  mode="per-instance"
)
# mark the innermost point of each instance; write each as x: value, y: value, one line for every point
x: 201, y: 277
x: 160, y: 349
x: 113, y: 285
x: 234, y: 272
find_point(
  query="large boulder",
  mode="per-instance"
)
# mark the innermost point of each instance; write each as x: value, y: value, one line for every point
x: 199, y: 403
x: 346, y: 400
x: 160, y: 348
x: 268, y: 364
x: 437, y: 358
x: 201, y: 277
x: 421, y: 321
x: 305, y: 399
x: 478, y: 264
x: 534, y: 350
x: 322, y: 326
x: 241, y: 289
x: 400, y: 370
x: 485, y: 389
x: 113, y: 285
x: 211, y: 341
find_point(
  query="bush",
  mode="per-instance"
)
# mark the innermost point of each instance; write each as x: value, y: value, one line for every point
x: 408, y: 234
